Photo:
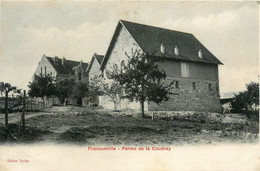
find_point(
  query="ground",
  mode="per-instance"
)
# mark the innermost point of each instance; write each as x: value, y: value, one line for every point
x: 83, y: 125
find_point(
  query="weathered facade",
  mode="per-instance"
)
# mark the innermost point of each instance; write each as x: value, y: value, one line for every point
x: 93, y: 69
x: 124, y: 44
x: 61, y: 69
x: 197, y: 91
x: 185, y: 60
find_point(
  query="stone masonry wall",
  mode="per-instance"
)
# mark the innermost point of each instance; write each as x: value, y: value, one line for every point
x: 94, y: 70
x: 185, y: 98
x: 41, y: 68
x: 189, y: 97
x: 124, y: 44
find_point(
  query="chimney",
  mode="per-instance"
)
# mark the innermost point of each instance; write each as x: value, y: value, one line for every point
x: 200, y: 53
x: 176, y: 50
x: 80, y: 63
x: 56, y: 58
x: 63, y: 61
x: 162, y: 49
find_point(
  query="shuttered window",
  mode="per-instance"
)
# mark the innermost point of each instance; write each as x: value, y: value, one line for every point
x: 185, y: 69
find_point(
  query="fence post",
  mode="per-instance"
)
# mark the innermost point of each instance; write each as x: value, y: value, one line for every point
x: 37, y: 104
x: 23, y: 114
x: 6, y: 113
x: 31, y: 104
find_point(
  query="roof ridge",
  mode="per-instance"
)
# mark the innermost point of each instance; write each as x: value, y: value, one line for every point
x: 98, y: 54
x: 66, y: 59
x: 155, y: 27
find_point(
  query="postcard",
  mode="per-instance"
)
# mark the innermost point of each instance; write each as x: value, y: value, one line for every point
x: 129, y: 85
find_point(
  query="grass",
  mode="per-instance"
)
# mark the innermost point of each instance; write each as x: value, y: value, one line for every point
x: 89, y: 127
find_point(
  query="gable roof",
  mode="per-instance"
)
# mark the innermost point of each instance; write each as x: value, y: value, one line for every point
x: 150, y: 38
x: 99, y: 59
x: 67, y: 68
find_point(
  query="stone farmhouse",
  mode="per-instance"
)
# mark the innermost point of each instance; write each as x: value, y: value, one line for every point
x: 186, y: 61
x: 94, y: 66
x: 61, y: 68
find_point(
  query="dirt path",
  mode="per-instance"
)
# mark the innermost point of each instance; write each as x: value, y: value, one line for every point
x: 15, y: 117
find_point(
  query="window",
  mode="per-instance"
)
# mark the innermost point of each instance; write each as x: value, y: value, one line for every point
x: 177, y: 84
x: 194, y: 86
x: 210, y: 87
x: 79, y: 76
x: 45, y: 70
x: 41, y: 71
x: 185, y: 69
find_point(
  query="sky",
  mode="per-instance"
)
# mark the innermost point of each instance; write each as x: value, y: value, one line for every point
x: 76, y: 30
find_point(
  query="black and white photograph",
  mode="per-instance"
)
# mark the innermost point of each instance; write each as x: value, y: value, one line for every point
x: 114, y: 76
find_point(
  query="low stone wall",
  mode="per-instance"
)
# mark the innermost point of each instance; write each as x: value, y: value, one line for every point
x: 186, y: 115
x: 202, y: 117
x: 189, y: 97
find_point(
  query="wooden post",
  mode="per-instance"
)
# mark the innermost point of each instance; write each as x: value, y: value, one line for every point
x: 23, y: 114
x: 6, y: 113
x: 31, y: 105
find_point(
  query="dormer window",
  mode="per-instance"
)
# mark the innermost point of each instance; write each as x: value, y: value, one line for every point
x: 162, y: 48
x: 176, y: 50
x: 200, y: 53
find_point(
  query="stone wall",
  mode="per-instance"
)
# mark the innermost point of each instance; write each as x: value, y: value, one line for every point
x: 185, y: 98
x: 192, y: 95
x: 94, y: 70
x: 124, y: 44
x: 44, y: 63
x: 106, y: 102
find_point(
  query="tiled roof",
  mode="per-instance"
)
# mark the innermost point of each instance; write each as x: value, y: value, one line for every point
x: 67, y: 68
x: 99, y: 59
x: 150, y: 38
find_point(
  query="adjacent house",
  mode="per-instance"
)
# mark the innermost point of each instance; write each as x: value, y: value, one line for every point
x: 186, y: 61
x: 93, y: 69
x: 226, y: 100
x: 61, y: 68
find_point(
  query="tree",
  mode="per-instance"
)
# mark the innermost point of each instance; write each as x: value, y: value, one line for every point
x: 65, y: 89
x: 247, y: 100
x: 141, y: 79
x: 41, y: 86
x: 114, y: 92
x: 253, y: 94
x: 2, y: 88
x: 96, y: 87
x: 80, y: 90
